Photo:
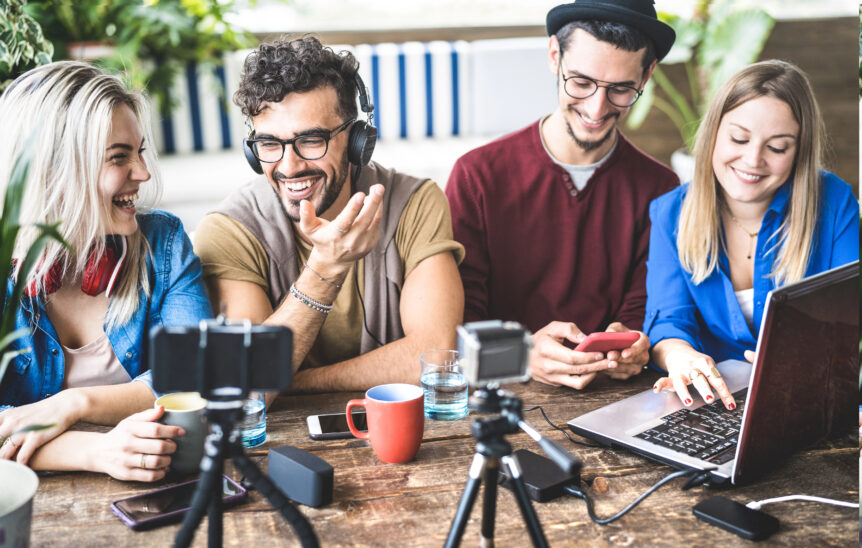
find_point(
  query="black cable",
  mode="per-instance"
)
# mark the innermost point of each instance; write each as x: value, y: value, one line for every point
x: 576, y: 442
x: 362, y: 303
x: 581, y: 495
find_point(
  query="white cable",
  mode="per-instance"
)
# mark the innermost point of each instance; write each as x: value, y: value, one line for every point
x: 755, y: 505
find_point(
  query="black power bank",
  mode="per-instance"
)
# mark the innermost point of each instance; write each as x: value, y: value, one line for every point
x: 543, y: 480
x: 736, y: 517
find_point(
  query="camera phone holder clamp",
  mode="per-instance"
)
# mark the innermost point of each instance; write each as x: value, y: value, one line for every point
x: 223, y: 412
x: 492, y: 450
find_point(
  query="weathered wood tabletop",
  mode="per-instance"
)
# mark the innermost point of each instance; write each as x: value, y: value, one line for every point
x: 378, y: 504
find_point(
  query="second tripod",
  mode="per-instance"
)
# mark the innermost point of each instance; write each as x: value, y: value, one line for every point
x: 492, y: 450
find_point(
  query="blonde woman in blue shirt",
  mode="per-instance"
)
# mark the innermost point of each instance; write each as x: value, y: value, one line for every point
x: 759, y: 213
x: 89, y: 310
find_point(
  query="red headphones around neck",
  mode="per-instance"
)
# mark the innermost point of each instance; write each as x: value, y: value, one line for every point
x: 100, y: 273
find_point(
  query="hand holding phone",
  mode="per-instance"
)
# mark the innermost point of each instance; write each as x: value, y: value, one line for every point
x: 605, y: 341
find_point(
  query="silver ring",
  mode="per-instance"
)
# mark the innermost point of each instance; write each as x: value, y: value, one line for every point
x: 695, y: 373
x: 342, y: 230
x: 143, y: 464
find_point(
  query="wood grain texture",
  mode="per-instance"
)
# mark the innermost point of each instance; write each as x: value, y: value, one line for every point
x: 378, y: 504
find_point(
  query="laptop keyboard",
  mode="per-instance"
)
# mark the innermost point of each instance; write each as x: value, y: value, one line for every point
x: 708, y: 433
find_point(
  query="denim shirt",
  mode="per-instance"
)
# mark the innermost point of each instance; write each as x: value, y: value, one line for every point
x: 178, y: 298
x: 708, y: 315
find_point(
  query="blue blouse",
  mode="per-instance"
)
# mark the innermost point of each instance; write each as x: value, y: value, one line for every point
x: 178, y: 298
x: 708, y: 315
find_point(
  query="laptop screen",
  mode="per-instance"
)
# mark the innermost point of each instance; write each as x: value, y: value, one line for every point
x: 804, y: 386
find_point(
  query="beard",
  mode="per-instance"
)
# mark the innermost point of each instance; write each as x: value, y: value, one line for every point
x: 332, y: 185
x: 587, y: 146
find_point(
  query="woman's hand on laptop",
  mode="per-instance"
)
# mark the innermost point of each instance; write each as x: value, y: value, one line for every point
x: 686, y: 366
x: 552, y: 363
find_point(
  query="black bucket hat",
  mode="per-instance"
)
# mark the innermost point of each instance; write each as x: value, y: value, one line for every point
x: 639, y: 14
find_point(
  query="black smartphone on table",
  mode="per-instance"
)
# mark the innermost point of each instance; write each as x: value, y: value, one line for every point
x: 169, y: 504
x: 333, y: 426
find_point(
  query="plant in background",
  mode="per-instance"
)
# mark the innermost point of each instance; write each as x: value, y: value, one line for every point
x: 153, y: 40
x: 22, y: 44
x: 716, y: 42
x: 10, y: 226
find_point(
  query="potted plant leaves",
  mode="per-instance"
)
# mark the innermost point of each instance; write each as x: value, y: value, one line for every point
x: 716, y: 42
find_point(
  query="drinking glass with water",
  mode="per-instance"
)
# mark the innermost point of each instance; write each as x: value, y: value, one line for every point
x: 253, y: 425
x: 444, y: 385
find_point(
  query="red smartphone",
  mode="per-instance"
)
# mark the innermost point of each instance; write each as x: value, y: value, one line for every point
x: 605, y: 341
x: 169, y: 504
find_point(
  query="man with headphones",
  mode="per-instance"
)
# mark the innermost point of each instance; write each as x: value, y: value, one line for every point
x: 358, y: 260
x: 568, y: 198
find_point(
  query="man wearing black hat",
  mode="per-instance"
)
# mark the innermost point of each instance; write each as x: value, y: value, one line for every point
x: 555, y: 217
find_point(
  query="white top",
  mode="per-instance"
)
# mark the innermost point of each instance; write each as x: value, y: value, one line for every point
x: 94, y: 364
x: 746, y: 303
x: 579, y: 174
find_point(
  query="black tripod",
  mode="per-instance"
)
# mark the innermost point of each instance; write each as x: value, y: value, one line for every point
x: 491, y: 449
x: 223, y: 412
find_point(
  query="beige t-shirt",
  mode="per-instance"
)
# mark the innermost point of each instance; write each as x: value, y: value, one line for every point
x: 93, y: 364
x: 229, y: 251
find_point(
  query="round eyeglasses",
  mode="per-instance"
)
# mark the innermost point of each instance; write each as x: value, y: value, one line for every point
x: 582, y: 87
x: 311, y: 146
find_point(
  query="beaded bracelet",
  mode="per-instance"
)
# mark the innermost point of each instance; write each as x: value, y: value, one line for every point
x: 309, y: 302
x: 321, y: 278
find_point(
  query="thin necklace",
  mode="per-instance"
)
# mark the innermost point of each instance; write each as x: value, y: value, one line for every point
x: 751, y: 235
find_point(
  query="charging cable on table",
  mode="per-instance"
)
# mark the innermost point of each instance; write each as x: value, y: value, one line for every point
x: 755, y: 505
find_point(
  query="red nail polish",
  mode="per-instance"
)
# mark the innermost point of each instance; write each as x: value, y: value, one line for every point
x: 732, y: 405
x: 709, y: 399
x: 687, y: 401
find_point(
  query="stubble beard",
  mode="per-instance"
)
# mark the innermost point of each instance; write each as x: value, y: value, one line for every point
x: 331, y: 189
x: 588, y: 146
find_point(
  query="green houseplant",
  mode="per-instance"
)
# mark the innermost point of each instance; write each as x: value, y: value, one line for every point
x: 150, y: 41
x: 713, y: 44
x: 10, y: 226
x: 22, y: 43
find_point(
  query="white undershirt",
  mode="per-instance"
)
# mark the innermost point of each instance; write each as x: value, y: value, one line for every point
x: 746, y: 303
x: 580, y: 174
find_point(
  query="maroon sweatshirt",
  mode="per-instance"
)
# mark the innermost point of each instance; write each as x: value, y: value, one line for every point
x: 539, y: 250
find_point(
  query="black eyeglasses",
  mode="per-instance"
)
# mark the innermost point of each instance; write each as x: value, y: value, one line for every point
x: 307, y: 147
x: 582, y: 87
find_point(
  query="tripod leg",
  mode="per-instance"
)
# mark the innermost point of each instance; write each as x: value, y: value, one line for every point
x: 468, y: 498
x: 214, y: 510
x: 527, y: 511
x: 203, y: 492
x: 304, y: 530
x: 489, y: 502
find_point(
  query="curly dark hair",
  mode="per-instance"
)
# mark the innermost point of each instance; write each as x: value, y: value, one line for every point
x: 298, y: 65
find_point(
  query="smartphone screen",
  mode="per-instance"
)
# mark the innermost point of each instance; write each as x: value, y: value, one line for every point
x: 334, y: 425
x: 330, y: 424
x: 170, y: 502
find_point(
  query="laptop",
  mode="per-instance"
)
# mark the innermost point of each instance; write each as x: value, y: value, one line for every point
x: 801, y: 389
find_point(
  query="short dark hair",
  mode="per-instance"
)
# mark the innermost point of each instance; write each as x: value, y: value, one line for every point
x: 619, y: 35
x: 295, y: 66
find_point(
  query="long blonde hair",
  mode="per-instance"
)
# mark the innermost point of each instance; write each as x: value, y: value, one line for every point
x: 700, y: 239
x: 64, y: 110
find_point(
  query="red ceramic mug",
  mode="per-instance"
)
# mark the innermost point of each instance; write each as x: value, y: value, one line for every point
x: 395, y: 420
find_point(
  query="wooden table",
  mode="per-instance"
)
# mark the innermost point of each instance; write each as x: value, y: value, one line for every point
x: 377, y: 504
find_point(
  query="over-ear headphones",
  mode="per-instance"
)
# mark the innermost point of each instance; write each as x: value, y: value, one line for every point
x: 360, y: 141
x: 100, y: 273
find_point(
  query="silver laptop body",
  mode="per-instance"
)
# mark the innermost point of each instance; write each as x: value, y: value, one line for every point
x: 803, y: 384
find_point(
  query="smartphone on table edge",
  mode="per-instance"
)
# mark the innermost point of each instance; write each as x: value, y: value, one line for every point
x: 333, y: 426
x: 169, y: 504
